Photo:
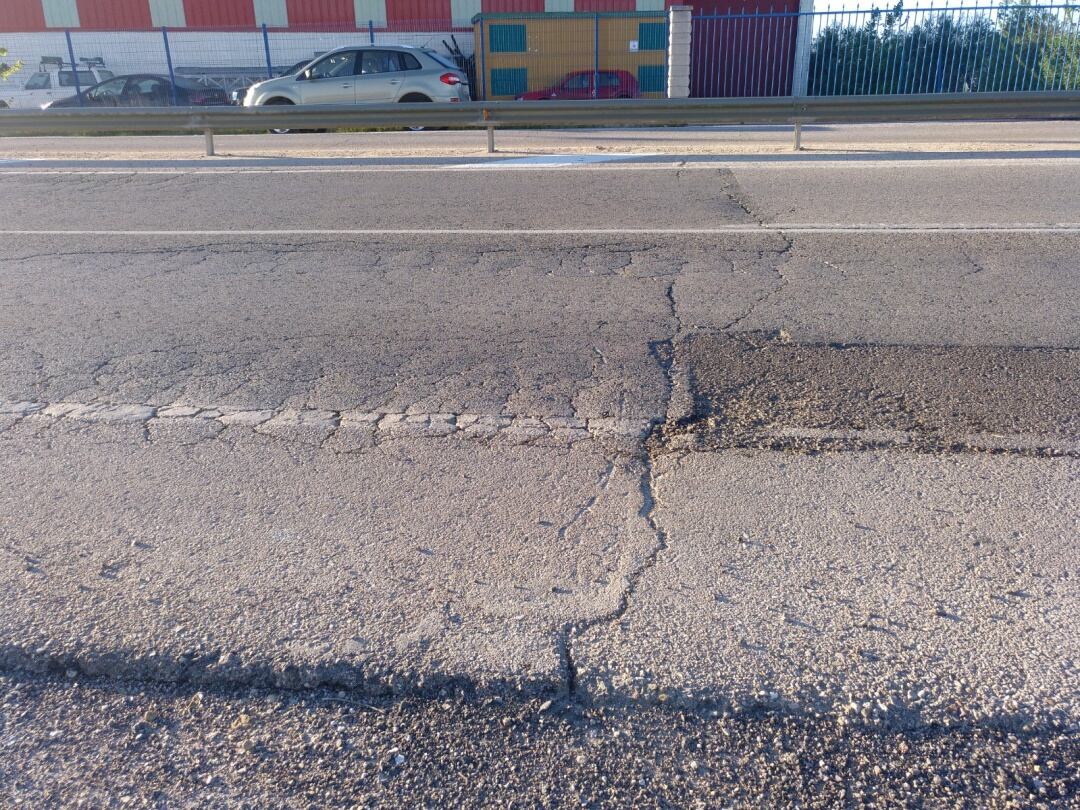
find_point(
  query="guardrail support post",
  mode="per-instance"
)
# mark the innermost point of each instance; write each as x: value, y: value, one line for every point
x: 209, y: 135
x: 678, y: 51
x: 491, y: 140
x: 798, y: 137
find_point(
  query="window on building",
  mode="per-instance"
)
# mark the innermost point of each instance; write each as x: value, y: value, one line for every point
x: 60, y: 13
x: 271, y: 13
x: 168, y: 14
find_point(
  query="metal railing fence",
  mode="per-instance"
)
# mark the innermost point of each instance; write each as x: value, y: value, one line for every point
x: 1006, y: 48
x: 871, y: 51
x: 850, y: 51
x: 222, y: 58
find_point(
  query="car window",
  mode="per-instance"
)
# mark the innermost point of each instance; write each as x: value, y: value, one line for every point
x: 109, y: 89
x: 334, y: 66
x: 609, y: 79
x: 39, y: 81
x: 578, y: 82
x: 378, y: 62
x: 67, y: 78
x: 148, y: 86
x: 409, y: 62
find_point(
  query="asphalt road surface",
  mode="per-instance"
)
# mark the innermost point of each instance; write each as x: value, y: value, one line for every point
x: 622, y: 482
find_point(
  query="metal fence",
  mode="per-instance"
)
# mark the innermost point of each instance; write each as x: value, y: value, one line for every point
x: 852, y: 51
x: 224, y: 58
x: 1006, y: 48
x: 872, y: 51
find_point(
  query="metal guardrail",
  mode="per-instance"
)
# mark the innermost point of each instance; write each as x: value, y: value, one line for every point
x: 490, y: 115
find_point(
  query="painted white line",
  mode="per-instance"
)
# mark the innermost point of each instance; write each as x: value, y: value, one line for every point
x: 717, y: 231
x: 552, y: 161
x: 677, y: 163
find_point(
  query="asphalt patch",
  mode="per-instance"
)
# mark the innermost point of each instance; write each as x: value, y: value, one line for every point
x: 762, y: 390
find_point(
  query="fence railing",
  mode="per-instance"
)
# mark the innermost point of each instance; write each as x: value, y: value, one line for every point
x: 851, y: 51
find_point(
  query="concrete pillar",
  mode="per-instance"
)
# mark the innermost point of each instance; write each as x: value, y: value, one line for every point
x: 803, y: 38
x: 678, y: 52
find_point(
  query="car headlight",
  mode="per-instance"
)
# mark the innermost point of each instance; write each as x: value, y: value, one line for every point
x: 46, y: 105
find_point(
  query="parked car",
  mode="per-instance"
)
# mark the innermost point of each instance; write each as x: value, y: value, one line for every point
x: 237, y: 96
x: 49, y: 82
x: 145, y: 90
x: 366, y: 75
x: 579, y: 85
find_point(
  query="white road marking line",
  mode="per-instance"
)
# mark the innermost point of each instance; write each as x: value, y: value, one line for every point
x: 800, y: 228
x: 552, y: 161
x: 676, y: 163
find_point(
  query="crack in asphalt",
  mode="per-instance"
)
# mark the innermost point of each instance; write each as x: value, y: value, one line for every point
x: 663, y: 352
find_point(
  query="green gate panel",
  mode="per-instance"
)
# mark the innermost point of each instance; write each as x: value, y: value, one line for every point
x: 509, y: 81
x: 652, y: 36
x: 507, y: 38
x: 652, y: 78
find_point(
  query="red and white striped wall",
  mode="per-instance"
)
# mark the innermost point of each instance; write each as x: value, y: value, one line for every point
x: 143, y: 15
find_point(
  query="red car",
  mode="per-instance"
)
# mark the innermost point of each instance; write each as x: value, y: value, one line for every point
x: 579, y: 85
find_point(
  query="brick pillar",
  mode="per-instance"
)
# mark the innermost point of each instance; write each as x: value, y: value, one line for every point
x: 678, y: 52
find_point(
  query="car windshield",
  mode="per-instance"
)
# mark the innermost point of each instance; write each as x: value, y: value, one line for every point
x: 67, y: 78
x: 334, y: 66
x: 39, y: 81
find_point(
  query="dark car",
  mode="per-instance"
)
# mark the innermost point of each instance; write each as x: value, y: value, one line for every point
x: 579, y: 84
x: 145, y: 90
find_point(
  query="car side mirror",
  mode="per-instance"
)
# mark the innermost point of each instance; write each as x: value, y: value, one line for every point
x: 302, y: 76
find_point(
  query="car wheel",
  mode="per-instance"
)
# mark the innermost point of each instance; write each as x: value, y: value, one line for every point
x: 277, y: 101
x: 413, y: 99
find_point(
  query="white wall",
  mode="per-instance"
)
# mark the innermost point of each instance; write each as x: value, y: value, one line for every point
x: 143, y: 51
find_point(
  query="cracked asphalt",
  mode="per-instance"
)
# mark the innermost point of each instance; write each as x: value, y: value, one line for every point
x: 596, y: 516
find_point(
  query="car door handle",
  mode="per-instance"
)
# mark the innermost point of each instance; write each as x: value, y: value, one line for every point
x: 346, y: 86
x: 395, y: 81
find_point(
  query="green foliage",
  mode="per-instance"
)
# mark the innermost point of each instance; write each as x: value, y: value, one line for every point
x: 1025, y: 47
x: 7, y: 70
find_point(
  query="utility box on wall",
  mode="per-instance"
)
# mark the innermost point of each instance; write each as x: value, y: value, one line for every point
x: 610, y: 55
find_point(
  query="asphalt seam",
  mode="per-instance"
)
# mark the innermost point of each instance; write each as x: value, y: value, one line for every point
x: 324, y: 426
x: 348, y: 430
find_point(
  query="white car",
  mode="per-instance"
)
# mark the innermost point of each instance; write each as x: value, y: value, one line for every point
x: 50, y: 82
x: 366, y: 75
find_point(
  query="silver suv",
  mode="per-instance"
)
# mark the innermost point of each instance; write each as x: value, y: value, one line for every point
x: 366, y: 75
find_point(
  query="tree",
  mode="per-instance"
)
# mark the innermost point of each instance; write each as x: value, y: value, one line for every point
x: 6, y: 69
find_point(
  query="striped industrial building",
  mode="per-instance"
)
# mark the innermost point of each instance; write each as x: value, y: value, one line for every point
x: 141, y: 15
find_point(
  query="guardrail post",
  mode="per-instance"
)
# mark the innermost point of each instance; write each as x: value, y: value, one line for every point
x: 266, y: 48
x: 209, y: 135
x: 168, y: 61
x: 74, y: 68
x: 800, y: 79
x: 486, y: 115
x: 678, y: 51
